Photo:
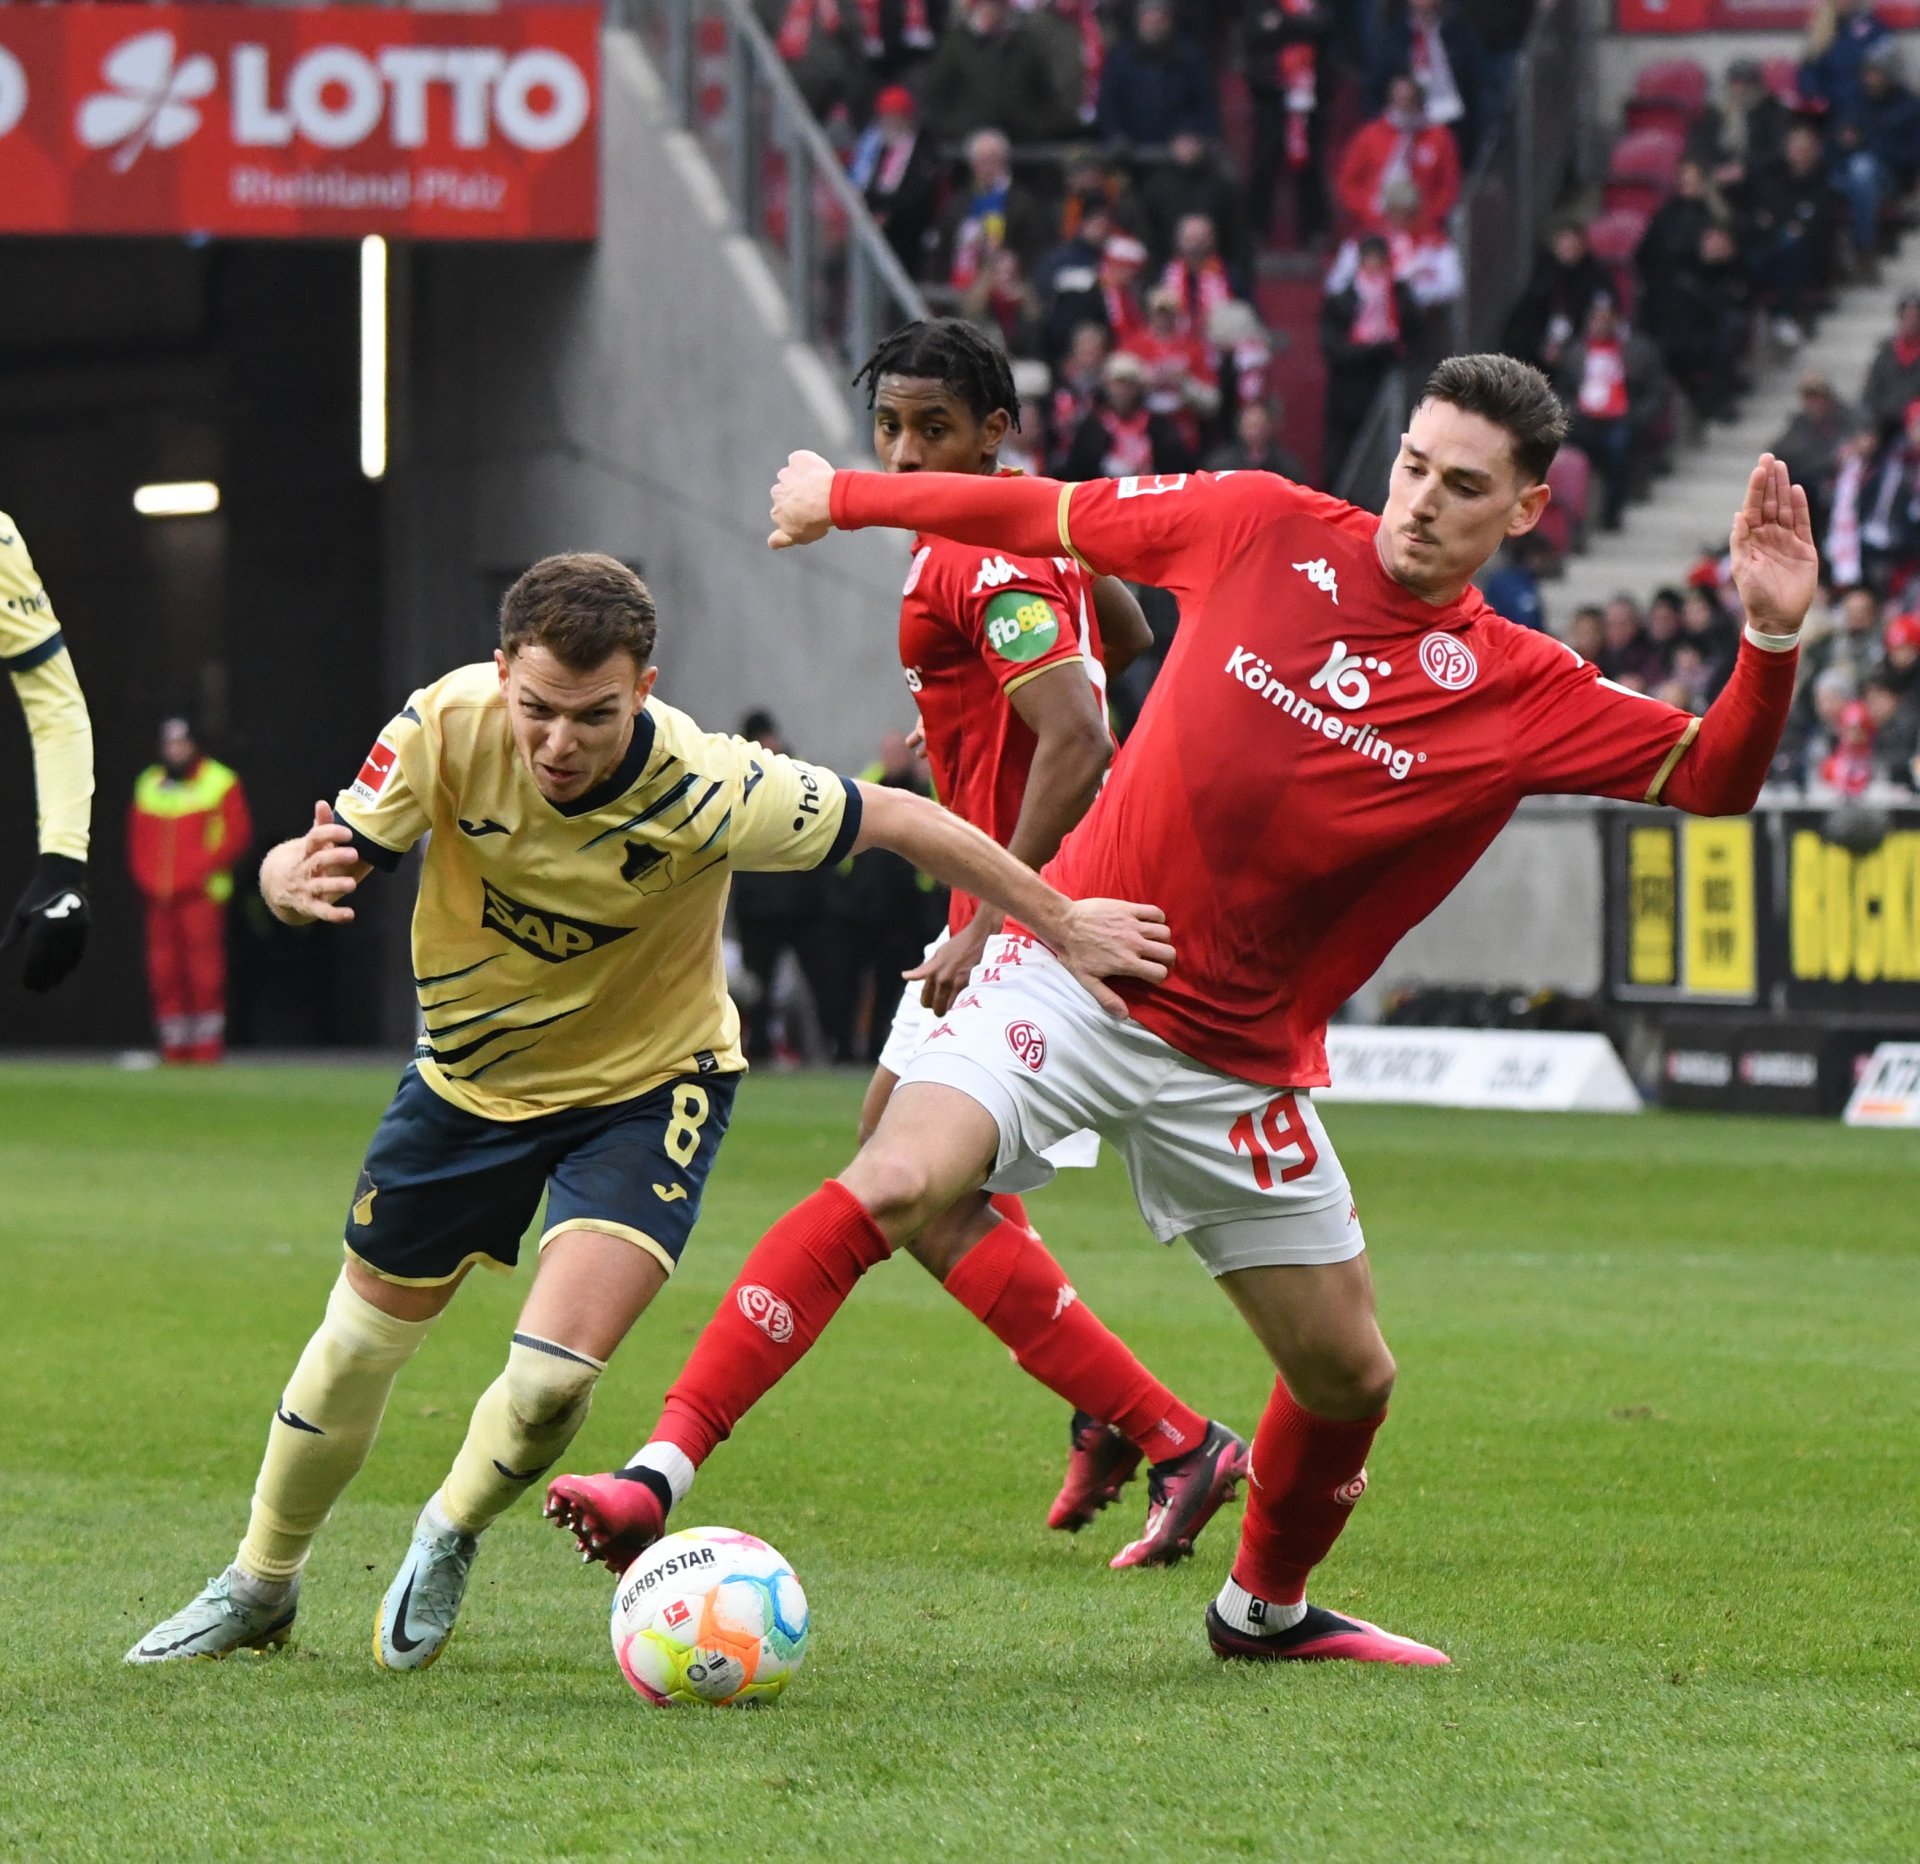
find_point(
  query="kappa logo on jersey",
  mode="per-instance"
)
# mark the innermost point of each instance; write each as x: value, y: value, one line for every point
x: 1134, y: 485
x: 1029, y: 1042
x: 1344, y: 677
x: 1022, y: 626
x: 767, y: 1311
x: 1319, y: 572
x: 995, y: 573
x: 551, y: 937
x: 1448, y: 662
x: 375, y: 771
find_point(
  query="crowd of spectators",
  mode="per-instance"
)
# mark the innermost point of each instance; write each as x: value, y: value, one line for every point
x: 1057, y: 171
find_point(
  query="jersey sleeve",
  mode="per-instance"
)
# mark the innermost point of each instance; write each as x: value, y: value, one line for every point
x: 1019, y: 615
x: 1577, y: 734
x: 1176, y: 530
x: 787, y: 814
x: 33, y: 654
x: 388, y: 804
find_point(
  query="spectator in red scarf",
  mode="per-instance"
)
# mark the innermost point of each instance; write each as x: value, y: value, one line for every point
x: 1287, y: 81
x: 898, y: 175
x: 1196, y: 276
x: 1068, y: 33
x: 825, y: 48
x: 1120, y: 266
x: 990, y: 70
x: 1366, y: 331
x: 1893, y: 378
x: 1197, y: 182
x: 1400, y: 142
x: 1849, y: 767
x: 1444, y: 53
x: 1566, y: 283
x: 1122, y: 436
x: 1001, y: 300
x: 1183, y: 382
x: 1610, y: 381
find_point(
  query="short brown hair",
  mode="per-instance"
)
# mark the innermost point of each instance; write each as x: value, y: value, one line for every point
x: 1512, y: 395
x: 580, y: 607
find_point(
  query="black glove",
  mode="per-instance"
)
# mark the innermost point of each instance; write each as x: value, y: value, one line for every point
x: 52, y: 918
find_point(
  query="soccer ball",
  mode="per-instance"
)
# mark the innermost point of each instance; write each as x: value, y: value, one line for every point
x: 709, y: 1615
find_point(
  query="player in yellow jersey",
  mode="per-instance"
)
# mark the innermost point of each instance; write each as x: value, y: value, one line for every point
x: 51, y: 917
x: 577, y: 1040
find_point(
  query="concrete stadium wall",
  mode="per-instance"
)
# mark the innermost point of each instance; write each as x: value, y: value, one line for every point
x: 636, y: 397
x: 1529, y: 914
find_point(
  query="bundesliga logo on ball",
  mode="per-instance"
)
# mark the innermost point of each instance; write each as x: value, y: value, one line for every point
x: 709, y: 1615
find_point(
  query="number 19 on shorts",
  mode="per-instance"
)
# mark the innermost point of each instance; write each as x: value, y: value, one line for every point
x: 1268, y: 1137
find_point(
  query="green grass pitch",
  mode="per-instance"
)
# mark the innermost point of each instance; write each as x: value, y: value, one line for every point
x: 1653, y: 1478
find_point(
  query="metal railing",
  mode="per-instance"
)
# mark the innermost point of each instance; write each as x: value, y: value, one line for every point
x: 1520, y: 174
x: 1363, y: 475
x: 786, y: 187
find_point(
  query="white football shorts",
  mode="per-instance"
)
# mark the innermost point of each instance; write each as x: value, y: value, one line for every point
x: 1245, y: 1172
x: 913, y: 1022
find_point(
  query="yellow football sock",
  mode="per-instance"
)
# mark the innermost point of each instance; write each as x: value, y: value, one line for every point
x: 323, y: 1429
x: 524, y: 1419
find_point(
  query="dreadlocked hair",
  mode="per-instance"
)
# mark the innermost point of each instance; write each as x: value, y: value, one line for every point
x: 948, y: 350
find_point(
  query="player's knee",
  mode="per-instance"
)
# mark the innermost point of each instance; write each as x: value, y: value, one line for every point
x: 893, y: 1186
x: 1352, y: 1382
x: 549, y: 1387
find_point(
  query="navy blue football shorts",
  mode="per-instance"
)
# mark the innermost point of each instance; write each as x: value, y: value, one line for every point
x: 442, y: 1187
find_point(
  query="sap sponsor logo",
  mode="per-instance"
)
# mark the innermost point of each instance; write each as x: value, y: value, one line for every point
x: 1698, y: 1067
x: 1448, y: 662
x: 1029, y: 1042
x: 767, y: 1311
x: 551, y: 937
x: 1350, y: 1492
x: 914, y: 568
x: 995, y: 573
x: 642, y: 1583
x: 1779, y: 1068
x: 1258, y: 677
x: 336, y: 97
x: 1319, y: 572
x: 1345, y: 677
x: 1135, y: 486
x: 13, y: 97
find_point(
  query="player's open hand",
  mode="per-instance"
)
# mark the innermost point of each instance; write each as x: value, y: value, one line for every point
x: 1114, y: 938
x: 1775, y: 564
x: 802, y: 501
x: 309, y: 877
x: 943, y: 973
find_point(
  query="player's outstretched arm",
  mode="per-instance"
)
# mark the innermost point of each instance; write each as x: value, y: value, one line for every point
x: 1015, y: 514
x: 307, y: 878
x: 1775, y: 570
x: 1095, y: 939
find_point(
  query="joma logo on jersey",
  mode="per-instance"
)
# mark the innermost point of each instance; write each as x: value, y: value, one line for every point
x: 1319, y: 572
x: 552, y: 937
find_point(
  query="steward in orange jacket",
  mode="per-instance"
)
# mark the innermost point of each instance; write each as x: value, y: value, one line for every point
x: 187, y: 826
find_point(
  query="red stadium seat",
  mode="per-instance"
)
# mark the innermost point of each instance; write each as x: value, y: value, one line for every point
x: 1668, y: 94
x: 1640, y: 170
x: 1570, y: 478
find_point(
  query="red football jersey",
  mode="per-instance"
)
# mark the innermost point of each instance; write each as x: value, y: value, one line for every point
x: 1322, y: 758
x: 975, y: 625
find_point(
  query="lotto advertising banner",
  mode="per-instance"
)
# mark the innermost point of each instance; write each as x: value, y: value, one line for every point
x: 1739, y: 15
x: 296, y: 122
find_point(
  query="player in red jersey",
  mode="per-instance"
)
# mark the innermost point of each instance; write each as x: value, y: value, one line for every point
x: 1007, y: 659
x: 1342, y: 727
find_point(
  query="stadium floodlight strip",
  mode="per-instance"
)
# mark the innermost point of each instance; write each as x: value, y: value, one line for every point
x: 186, y: 498
x: 373, y: 356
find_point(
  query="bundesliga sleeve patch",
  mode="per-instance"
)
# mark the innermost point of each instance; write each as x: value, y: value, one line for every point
x: 366, y: 787
x: 1022, y: 626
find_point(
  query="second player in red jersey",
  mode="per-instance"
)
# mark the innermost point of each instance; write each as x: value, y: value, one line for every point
x: 1340, y: 730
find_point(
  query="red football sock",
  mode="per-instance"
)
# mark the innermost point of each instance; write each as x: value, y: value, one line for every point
x: 789, y: 1287
x: 1009, y: 1281
x: 1307, y: 1474
x: 1013, y: 1207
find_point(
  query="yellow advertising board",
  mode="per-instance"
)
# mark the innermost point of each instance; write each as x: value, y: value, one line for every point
x: 1653, y: 911
x: 1720, y: 946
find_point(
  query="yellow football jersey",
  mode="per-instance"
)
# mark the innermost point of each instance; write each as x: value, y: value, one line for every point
x: 33, y: 652
x: 569, y: 955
